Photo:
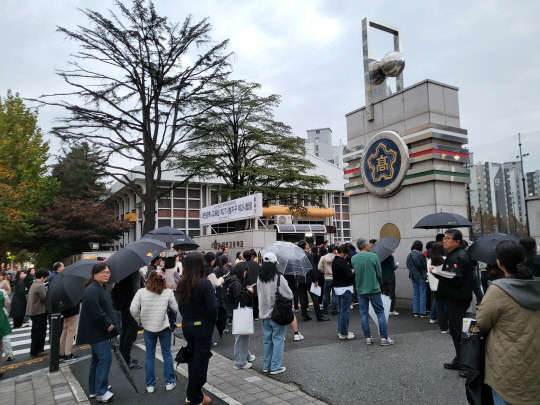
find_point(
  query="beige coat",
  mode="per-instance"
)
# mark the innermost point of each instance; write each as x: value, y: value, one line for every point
x: 512, y: 348
x: 36, y: 299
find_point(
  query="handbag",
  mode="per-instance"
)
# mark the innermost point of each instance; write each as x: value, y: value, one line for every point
x: 184, y: 355
x: 282, y: 314
x: 242, y: 323
x: 471, y: 352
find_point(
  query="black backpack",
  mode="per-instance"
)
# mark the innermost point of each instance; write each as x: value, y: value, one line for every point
x: 282, y: 314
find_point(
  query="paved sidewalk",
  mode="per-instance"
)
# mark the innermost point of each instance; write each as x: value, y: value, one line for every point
x: 247, y: 387
x: 234, y: 387
x: 42, y: 388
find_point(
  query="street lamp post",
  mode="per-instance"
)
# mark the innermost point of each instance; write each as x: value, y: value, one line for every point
x: 521, y: 155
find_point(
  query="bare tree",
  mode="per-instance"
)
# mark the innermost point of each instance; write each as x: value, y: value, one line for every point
x: 140, y: 83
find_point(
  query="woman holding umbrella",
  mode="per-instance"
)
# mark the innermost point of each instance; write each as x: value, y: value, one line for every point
x: 149, y: 309
x: 198, y: 306
x: 510, y: 316
x: 274, y: 334
x: 100, y: 325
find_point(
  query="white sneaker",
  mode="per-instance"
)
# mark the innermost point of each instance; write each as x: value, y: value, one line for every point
x: 393, y: 313
x: 349, y: 336
x: 278, y: 371
x: 369, y: 341
x: 170, y: 386
x: 433, y: 321
x: 298, y: 336
x: 252, y: 358
x: 387, y: 342
x: 445, y: 331
x: 94, y: 395
x: 244, y: 367
x: 150, y: 389
x: 105, y: 397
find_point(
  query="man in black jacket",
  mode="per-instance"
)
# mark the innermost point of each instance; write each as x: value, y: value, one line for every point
x: 304, y: 285
x: 455, y: 290
x: 253, y: 270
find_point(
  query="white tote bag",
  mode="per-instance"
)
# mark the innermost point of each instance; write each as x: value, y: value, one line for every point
x: 386, y: 301
x: 242, y: 323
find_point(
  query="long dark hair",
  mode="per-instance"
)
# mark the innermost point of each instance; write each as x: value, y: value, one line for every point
x: 529, y: 244
x: 221, y: 268
x: 268, y: 272
x: 437, y: 254
x: 192, y: 273
x: 98, y: 268
x: 511, y: 256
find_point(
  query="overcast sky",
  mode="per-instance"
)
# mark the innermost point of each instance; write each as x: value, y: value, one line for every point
x: 310, y: 52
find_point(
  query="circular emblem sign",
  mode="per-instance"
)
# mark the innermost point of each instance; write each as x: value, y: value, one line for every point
x: 384, y: 164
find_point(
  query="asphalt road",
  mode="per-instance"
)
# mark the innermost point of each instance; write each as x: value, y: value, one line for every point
x: 334, y: 371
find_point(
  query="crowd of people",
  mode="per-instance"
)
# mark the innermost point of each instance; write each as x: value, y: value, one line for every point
x: 199, y: 287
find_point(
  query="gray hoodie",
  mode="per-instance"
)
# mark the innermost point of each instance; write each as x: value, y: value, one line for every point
x: 525, y: 292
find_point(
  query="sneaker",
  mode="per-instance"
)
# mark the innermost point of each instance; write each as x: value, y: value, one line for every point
x: 265, y: 370
x: 132, y: 364
x: 214, y: 344
x: 453, y: 365
x: 244, y: 367
x: 349, y: 336
x: 387, y: 342
x: 94, y: 395
x: 298, y: 336
x: 170, y: 386
x: 433, y: 321
x: 416, y: 315
x: 424, y: 316
x: 394, y: 313
x: 105, y: 397
x: 445, y: 331
x: 252, y: 358
x: 150, y: 389
x: 71, y: 357
x: 61, y: 358
x: 369, y: 341
x: 11, y: 357
x: 278, y: 371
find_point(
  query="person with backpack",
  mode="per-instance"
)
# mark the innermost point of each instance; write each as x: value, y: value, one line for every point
x: 239, y: 296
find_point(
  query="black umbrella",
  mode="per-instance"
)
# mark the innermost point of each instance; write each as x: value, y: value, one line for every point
x: 384, y: 247
x: 123, y: 365
x: 166, y: 234
x: 82, y: 268
x: 65, y: 291
x: 132, y: 257
x: 184, y: 242
x: 483, y: 250
x: 443, y: 220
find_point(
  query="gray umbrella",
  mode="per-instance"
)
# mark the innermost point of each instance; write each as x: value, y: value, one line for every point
x: 442, y: 220
x: 384, y: 247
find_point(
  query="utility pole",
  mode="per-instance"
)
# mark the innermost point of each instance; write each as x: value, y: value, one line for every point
x: 524, y: 189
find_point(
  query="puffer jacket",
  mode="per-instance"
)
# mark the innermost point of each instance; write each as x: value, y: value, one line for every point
x: 150, y: 309
x: 510, y: 315
x: 325, y: 265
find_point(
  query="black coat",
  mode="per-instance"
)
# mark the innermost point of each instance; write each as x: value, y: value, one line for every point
x: 235, y: 294
x: 18, y: 300
x: 97, y: 314
x: 341, y: 273
x: 252, y: 274
x: 457, y: 291
x: 311, y: 275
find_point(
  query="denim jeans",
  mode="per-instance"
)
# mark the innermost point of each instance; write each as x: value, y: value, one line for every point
x: 328, y: 283
x: 273, y: 344
x: 198, y: 336
x: 419, y: 296
x: 98, y: 379
x: 376, y: 302
x: 433, y: 314
x: 150, y: 341
x: 344, y: 314
x: 497, y: 400
x: 241, y: 350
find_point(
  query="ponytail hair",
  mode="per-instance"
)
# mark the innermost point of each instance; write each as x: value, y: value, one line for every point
x: 511, y: 256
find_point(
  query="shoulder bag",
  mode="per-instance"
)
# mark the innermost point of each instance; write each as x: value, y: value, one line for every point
x: 282, y: 313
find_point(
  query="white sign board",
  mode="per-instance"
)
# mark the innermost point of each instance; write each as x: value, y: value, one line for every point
x: 234, y: 210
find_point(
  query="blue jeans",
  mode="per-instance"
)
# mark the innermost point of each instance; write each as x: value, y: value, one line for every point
x: 497, y: 400
x: 344, y: 314
x: 273, y: 344
x: 376, y: 302
x: 419, y: 296
x: 328, y: 283
x: 150, y: 341
x: 98, y: 378
x: 433, y: 314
